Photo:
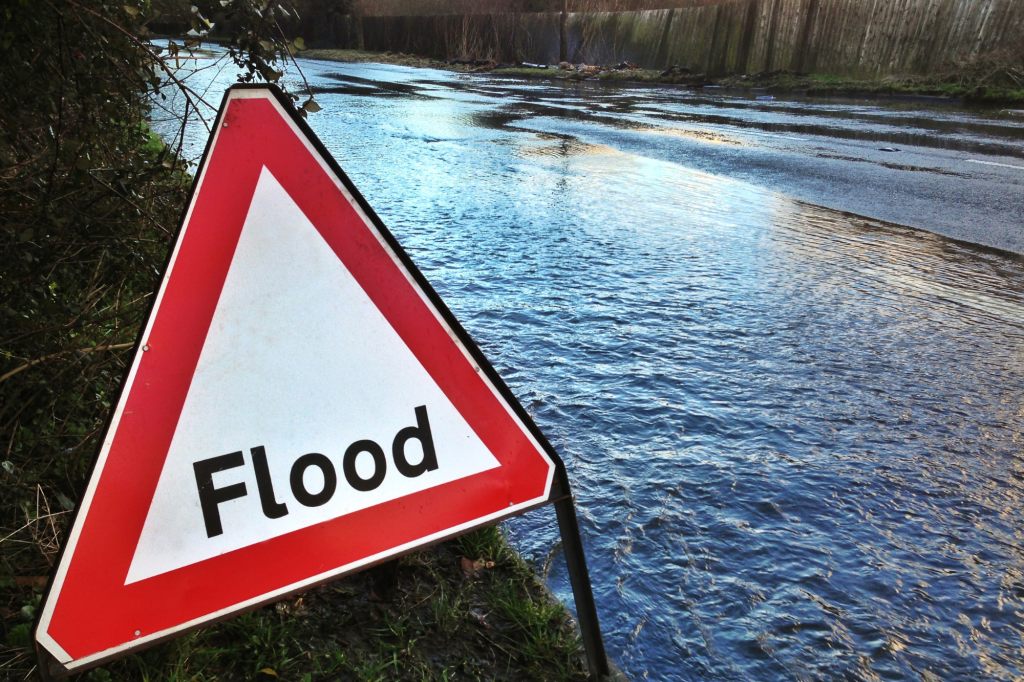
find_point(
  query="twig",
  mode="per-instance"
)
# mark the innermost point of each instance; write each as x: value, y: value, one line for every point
x: 132, y: 203
x: 31, y: 521
x: 287, y: 49
x: 184, y: 88
x: 14, y: 371
x: 10, y: 443
x: 77, y: 322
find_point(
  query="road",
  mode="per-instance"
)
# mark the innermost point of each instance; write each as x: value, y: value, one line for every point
x: 956, y: 172
x: 793, y: 432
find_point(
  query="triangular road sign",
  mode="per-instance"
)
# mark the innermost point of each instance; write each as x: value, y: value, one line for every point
x: 302, y: 405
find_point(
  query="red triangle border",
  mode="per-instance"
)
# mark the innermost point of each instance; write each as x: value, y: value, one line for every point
x: 89, y: 615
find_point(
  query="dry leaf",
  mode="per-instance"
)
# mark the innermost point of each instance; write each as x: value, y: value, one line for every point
x: 474, y: 567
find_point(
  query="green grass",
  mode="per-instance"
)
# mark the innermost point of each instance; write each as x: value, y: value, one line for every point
x: 488, y: 544
x: 543, y: 644
x: 353, y: 56
x: 529, y: 72
x: 641, y: 76
x: 943, y: 85
x: 427, y: 628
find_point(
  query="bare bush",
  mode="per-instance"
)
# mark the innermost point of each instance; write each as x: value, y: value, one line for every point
x: 1001, y: 68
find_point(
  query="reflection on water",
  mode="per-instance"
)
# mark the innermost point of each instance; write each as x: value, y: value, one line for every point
x: 797, y: 436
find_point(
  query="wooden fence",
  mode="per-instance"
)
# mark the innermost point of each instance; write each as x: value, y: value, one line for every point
x: 842, y: 37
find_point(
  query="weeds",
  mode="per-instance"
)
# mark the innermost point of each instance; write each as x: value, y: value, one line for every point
x: 89, y: 200
x: 488, y: 544
x: 441, y: 623
x: 546, y: 639
x: 950, y: 83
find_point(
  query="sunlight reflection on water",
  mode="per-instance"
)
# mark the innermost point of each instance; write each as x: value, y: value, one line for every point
x: 795, y: 434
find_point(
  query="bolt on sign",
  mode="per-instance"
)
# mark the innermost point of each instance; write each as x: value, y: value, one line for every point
x: 301, y: 405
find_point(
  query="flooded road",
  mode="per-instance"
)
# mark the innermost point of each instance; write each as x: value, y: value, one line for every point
x: 796, y: 435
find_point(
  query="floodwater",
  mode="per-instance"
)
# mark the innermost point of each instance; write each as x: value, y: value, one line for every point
x: 796, y: 435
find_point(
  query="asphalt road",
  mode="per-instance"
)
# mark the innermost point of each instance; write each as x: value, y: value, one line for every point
x: 949, y: 170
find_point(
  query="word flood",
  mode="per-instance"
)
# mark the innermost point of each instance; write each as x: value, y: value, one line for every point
x: 210, y: 497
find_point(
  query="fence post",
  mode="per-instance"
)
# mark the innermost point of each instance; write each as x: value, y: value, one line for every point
x: 563, y: 31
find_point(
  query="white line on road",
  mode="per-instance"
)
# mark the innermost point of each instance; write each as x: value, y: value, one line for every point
x: 993, y: 163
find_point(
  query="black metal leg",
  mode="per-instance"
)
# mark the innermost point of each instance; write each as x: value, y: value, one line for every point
x: 586, y: 610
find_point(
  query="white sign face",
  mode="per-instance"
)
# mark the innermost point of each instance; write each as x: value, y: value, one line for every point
x: 293, y: 370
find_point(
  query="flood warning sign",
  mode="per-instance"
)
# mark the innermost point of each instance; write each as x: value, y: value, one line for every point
x: 301, y: 404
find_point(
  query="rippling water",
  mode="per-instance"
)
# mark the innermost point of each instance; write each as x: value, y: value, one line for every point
x: 796, y: 435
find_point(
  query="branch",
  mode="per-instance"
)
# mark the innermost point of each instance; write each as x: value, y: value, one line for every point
x: 130, y: 202
x: 37, y: 361
x: 284, y: 40
x: 145, y: 48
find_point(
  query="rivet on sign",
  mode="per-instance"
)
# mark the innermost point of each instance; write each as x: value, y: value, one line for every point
x: 511, y: 504
x: 225, y: 124
x: 145, y: 348
x: 477, y: 368
x: 138, y: 632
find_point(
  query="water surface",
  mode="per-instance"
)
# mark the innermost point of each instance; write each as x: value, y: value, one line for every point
x: 796, y: 435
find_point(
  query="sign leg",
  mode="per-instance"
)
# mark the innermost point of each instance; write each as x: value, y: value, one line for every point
x: 50, y: 669
x: 579, y: 577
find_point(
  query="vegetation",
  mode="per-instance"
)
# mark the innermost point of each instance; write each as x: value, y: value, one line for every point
x: 434, y: 615
x: 997, y: 87
x: 89, y: 199
x: 401, y: 59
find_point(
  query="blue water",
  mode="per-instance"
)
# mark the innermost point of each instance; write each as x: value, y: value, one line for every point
x: 796, y: 436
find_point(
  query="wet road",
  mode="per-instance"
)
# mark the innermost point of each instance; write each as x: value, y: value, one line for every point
x: 797, y: 435
x: 949, y: 170
x: 945, y: 170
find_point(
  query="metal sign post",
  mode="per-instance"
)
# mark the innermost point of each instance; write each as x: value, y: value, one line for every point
x: 300, y: 399
x: 579, y: 578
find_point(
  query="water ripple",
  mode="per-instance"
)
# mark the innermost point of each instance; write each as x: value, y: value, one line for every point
x: 795, y: 434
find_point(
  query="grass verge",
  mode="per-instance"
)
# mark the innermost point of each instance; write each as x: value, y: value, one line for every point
x: 942, y: 85
x: 397, y: 58
x: 466, y: 609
